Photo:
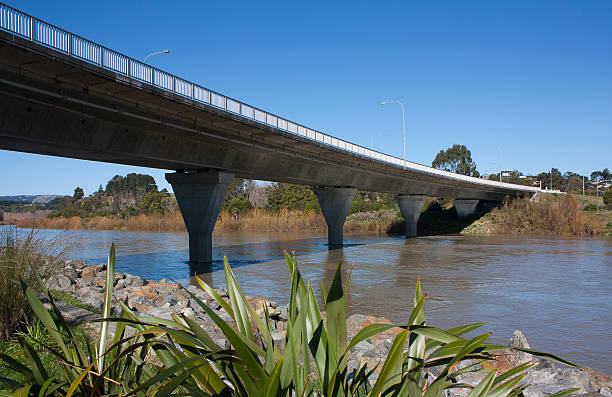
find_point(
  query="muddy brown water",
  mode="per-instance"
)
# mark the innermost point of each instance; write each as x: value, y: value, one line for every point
x: 557, y: 290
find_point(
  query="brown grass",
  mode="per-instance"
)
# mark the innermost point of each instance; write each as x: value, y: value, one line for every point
x: 550, y: 215
x: 257, y: 220
x: 261, y: 220
x: 21, y: 257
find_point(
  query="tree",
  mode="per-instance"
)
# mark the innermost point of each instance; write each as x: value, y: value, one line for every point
x: 78, y: 193
x: 237, y: 197
x: 607, y: 197
x: 293, y: 197
x: 600, y: 176
x: 558, y: 183
x: 129, y: 191
x: 456, y: 159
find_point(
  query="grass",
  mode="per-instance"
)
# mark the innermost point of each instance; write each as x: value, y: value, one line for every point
x: 256, y: 220
x: 21, y: 257
x: 551, y: 215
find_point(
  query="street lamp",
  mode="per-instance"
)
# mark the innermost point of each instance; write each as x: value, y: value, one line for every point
x: 500, y: 168
x: 155, y: 53
x: 403, y: 123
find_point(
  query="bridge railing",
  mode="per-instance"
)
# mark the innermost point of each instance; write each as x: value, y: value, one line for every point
x: 51, y: 36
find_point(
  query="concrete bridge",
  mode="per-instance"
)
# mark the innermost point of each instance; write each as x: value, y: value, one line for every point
x: 64, y: 95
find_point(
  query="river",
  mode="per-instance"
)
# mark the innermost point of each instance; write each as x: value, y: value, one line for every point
x: 557, y: 290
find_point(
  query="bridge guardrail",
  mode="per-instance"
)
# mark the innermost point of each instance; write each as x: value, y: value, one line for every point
x: 39, y: 31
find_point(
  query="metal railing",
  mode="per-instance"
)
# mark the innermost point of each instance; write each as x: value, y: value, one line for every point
x: 41, y: 32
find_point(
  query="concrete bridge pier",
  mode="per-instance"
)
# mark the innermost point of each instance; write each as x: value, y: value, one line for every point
x: 410, y: 206
x: 465, y: 207
x: 200, y: 196
x: 335, y: 203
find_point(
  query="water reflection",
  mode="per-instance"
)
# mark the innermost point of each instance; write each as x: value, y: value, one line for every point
x: 557, y: 290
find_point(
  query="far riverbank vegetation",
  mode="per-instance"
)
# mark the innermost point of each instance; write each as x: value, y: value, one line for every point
x: 134, y: 203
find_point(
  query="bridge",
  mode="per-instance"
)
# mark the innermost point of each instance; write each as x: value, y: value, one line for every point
x: 63, y: 95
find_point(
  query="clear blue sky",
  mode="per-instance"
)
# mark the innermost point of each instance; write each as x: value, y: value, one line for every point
x: 532, y: 77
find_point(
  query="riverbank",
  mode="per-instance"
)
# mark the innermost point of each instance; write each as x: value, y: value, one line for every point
x: 163, y: 299
x: 257, y: 220
x: 569, y: 214
x: 551, y: 215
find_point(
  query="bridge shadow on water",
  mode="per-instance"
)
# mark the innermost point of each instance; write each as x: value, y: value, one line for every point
x: 174, y: 264
x: 437, y: 220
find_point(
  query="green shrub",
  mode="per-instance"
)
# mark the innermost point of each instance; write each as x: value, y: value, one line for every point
x: 607, y: 197
x: 590, y: 207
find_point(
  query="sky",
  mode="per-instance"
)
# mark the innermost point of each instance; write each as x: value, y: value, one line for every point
x: 529, y: 79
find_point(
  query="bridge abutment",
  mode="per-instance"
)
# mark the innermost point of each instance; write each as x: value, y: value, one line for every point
x: 335, y: 203
x: 410, y: 206
x: 465, y: 207
x: 200, y: 196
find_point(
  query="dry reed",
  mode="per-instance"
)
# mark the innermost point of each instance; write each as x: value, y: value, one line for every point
x: 257, y: 220
x: 549, y: 215
x: 21, y: 255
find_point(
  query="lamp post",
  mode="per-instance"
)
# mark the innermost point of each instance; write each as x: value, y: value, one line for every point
x: 403, y: 123
x: 155, y: 53
x: 500, y: 167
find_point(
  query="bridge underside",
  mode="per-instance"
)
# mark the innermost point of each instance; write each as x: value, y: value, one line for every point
x: 55, y: 104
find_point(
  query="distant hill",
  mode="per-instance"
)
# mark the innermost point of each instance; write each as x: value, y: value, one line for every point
x: 28, y: 198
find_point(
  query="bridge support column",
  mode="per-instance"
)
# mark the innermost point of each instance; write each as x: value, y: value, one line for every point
x: 465, y: 207
x: 200, y: 196
x: 410, y: 206
x: 335, y: 203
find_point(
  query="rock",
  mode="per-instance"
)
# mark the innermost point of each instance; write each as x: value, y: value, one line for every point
x: 120, y: 284
x: 89, y: 273
x: 519, y: 340
x: 278, y: 338
x: 281, y: 326
x: 283, y: 313
x: 170, y: 301
x: 52, y: 283
x: 73, y: 314
x: 163, y: 281
x: 546, y: 378
x: 605, y: 392
x: 188, y: 312
x: 86, y: 292
x: 94, y: 302
x: 76, y: 264
x: 63, y: 282
x: 135, y: 299
x: 134, y: 281
x: 161, y: 313
x: 222, y: 292
x: 599, y: 380
x: 70, y: 271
